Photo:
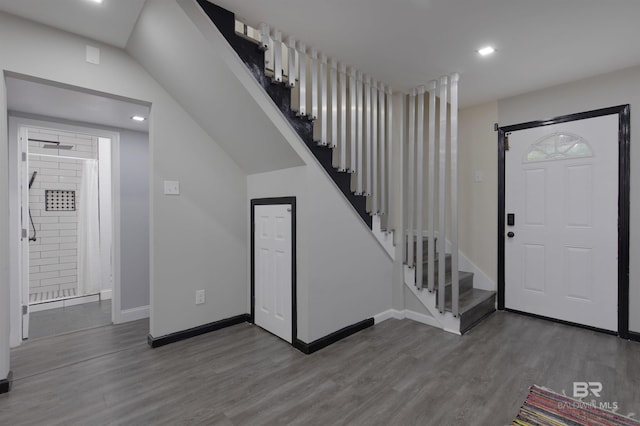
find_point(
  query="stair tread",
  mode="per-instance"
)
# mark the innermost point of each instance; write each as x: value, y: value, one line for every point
x: 470, y: 299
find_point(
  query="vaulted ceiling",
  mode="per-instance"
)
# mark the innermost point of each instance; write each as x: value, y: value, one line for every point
x: 406, y: 43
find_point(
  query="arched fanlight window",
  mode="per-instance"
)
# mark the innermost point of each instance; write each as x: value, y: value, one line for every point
x: 558, y: 146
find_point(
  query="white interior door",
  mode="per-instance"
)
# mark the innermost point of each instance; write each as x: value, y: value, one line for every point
x: 561, y: 253
x: 273, y: 261
x: 26, y: 230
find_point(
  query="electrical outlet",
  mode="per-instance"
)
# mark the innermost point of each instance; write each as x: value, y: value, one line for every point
x: 199, y: 297
x: 171, y: 187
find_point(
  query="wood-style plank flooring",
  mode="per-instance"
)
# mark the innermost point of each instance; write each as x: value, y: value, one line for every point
x: 53, y: 322
x: 395, y: 373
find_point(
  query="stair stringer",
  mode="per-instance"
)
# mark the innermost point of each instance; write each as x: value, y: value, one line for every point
x: 226, y: 53
x: 445, y: 321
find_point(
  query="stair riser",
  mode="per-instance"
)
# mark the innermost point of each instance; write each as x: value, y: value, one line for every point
x: 447, y: 263
x: 466, y: 283
x: 477, y: 313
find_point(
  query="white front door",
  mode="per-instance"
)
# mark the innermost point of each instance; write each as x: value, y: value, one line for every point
x: 561, y: 253
x: 273, y: 261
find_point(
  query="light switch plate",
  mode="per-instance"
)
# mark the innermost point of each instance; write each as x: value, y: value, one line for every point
x: 199, y: 297
x: 92, y: 55
x: 171, y: 187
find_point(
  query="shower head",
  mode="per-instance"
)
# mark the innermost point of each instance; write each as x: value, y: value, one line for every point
x: 52, y: 144
x: 33, y: 177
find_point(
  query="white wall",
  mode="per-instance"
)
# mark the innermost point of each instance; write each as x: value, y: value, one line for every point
x: 616, y: 88
x: 350, y: 274
x: 192, y: 69
x: 343, y: 274
x: 198, y: 238
x: 478, y: 201
x: 134, y: 219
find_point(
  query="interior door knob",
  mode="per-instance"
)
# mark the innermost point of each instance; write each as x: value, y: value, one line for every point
x: 510, y: 234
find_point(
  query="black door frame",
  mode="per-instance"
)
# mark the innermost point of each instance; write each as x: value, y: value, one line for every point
x: 624, y: 167
x: 294, y: 308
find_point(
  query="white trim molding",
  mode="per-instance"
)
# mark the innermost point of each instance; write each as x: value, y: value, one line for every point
x: 408, y: 314
x: 133, y: 314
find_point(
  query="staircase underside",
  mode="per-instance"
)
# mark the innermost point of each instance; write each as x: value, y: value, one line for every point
x: 280, y: 93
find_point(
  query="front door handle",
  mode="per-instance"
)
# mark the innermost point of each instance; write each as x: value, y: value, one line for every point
x: 510, y: 234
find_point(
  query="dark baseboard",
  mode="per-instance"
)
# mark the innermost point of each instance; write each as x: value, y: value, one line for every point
x: 156, y: 342
x: 559, y: 321
x: 634, y: 336
x: 5, y: 384
x: 323, y: 342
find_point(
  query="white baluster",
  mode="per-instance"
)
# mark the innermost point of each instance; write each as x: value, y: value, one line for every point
x: 442, y: 192
x: 455, y: 290
x: 374, y: 147
x: 277, y: 56
x: 333, y: 142
x: 324, y: 94
x: 419, y: 187
x: 267, y: 46
x: 315, y: 94
x: 342, y: 77
x: 367, y: 134
x: 411, y: 159
x: 302, y: 78
x: 431, y: 187
x: 382, y: 107
x: 353, y: 120
x: 390, y: 168
x: 359, y: 149
x: 292, y: 60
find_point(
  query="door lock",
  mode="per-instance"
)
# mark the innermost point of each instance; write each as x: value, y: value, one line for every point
x: 510, y: 234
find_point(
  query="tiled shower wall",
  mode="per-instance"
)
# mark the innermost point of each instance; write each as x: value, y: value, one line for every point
x: 53, y: 257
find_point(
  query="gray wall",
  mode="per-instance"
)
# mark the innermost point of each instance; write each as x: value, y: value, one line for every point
x: 344, y: 274
x: 198, y: 239
x: 134, y: 219
x: 616, y: 88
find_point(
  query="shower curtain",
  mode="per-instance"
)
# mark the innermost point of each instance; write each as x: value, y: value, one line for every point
x: 89, y: 231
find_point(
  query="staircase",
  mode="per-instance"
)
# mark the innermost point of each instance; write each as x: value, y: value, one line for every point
x: 474, y: 304
x: 252, y: 54
x: 345, y: 118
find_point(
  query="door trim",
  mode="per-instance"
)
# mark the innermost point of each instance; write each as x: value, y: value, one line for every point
x: 624, y: 179
x: 294, y: 308
x: 15, y: 121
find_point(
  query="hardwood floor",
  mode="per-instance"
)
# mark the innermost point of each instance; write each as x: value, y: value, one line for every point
x: 71, y: 318
x: 395, y: 373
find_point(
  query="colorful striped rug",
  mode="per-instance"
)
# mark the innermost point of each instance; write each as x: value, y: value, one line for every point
x: 545, y: 408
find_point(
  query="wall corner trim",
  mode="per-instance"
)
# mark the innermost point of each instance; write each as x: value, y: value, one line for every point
x: 5, y: 384
x: 156, y: 342
x: 635, y: 336
x: 329, y: 339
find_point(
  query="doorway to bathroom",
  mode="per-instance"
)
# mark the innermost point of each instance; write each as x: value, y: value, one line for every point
x: 66, y: 244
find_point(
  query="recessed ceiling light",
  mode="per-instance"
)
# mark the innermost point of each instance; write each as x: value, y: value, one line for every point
x: 97, y: 1
x: 138, y: 118
x: 487, y: 50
